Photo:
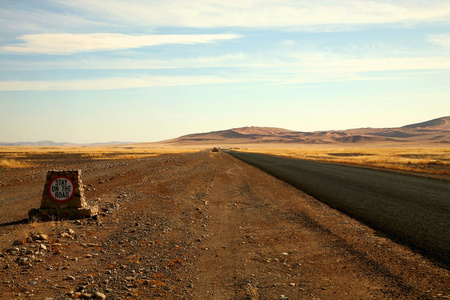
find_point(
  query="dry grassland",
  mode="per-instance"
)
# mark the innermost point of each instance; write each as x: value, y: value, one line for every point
x: 423, y: 160
x: 25, y: 157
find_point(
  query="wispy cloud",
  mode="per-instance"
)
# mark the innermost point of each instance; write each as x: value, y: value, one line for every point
x: 344, y: 64
x: 263, y: 13
x: 440, y: 39
x: 302, y: 68
x: 66, y: 43
x: 146, y: 16
x: 240, y: 60
x: 114, y: 83
x: 298, y: 62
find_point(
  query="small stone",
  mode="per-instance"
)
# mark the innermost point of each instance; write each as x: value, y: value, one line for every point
x: 18, y: 242
x: 70, y: 277
x: 99, y: 296
x: 70, y: 231
x: 291, y: 284
x: 43, y: 237
x: 284, y: 253
x: 88, y: 256
x: 42, y: 247
x: 283, y: 297
x: 57, y: 246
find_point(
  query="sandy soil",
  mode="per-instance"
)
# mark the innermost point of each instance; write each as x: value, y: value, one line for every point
x: 197, y: 226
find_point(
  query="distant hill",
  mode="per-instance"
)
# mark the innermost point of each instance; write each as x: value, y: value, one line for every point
x: 56, y: 144
x: 39, y: 143
x: 435, y: 131
x: 439, y: 124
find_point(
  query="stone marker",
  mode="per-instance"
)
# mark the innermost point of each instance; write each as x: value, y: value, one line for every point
x: 62, y: 198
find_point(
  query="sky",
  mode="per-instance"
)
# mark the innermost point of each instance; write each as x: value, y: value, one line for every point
x: 90, y: 71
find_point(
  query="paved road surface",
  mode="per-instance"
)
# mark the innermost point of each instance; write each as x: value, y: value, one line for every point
x: 411, y: 209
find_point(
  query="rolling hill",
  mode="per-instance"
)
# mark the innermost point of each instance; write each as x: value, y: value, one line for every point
x: 432, y: 132
x: 435, y: 131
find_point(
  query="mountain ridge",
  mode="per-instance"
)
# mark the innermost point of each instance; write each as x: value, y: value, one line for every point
x: 48, y: 143
x: 435, y: 131
x: 432, y: 131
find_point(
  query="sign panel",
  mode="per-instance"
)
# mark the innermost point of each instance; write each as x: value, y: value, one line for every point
x: 61, y: 189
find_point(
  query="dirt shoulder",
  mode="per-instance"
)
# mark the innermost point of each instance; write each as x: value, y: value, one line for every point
x: 198, y: 226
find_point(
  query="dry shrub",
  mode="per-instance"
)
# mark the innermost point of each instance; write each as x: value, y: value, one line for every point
x: 8, y: 163
x: 251, y: 292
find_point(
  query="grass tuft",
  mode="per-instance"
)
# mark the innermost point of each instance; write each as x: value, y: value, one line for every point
x: 9, y: 163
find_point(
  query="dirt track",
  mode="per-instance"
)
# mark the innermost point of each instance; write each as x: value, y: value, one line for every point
x: 199, y: 226
x: 412, y: 209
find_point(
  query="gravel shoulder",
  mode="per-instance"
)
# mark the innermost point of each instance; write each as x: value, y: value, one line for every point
x: 197, y: 226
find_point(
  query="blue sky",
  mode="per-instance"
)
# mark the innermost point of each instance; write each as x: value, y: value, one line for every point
x: 97, y: 71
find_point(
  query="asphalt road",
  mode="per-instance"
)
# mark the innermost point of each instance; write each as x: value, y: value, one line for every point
x: 411, y: 209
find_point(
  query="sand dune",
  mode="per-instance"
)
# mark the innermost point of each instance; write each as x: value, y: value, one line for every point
x: 435, y: 132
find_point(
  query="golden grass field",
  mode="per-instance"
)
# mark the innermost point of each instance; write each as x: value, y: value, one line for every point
x: 425, y: 160
x: 430, y: 160
x: 24, y: 157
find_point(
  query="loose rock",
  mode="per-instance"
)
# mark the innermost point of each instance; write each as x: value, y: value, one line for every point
x: 18, y: 242
x: 99, y: 296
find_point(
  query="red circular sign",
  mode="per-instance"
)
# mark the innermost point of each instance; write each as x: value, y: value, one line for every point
x: 61, y: 189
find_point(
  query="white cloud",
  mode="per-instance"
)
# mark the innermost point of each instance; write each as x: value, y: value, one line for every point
x: 440, y: 39
x: 298, y: 68
x: 112, y: 83
x: 305, y: 68
x: 312, y: 15
x: 16, y: 19
x: 66, y: 43
x: 228, y: 60
x: 308, y: 61
x: 339, y: 64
